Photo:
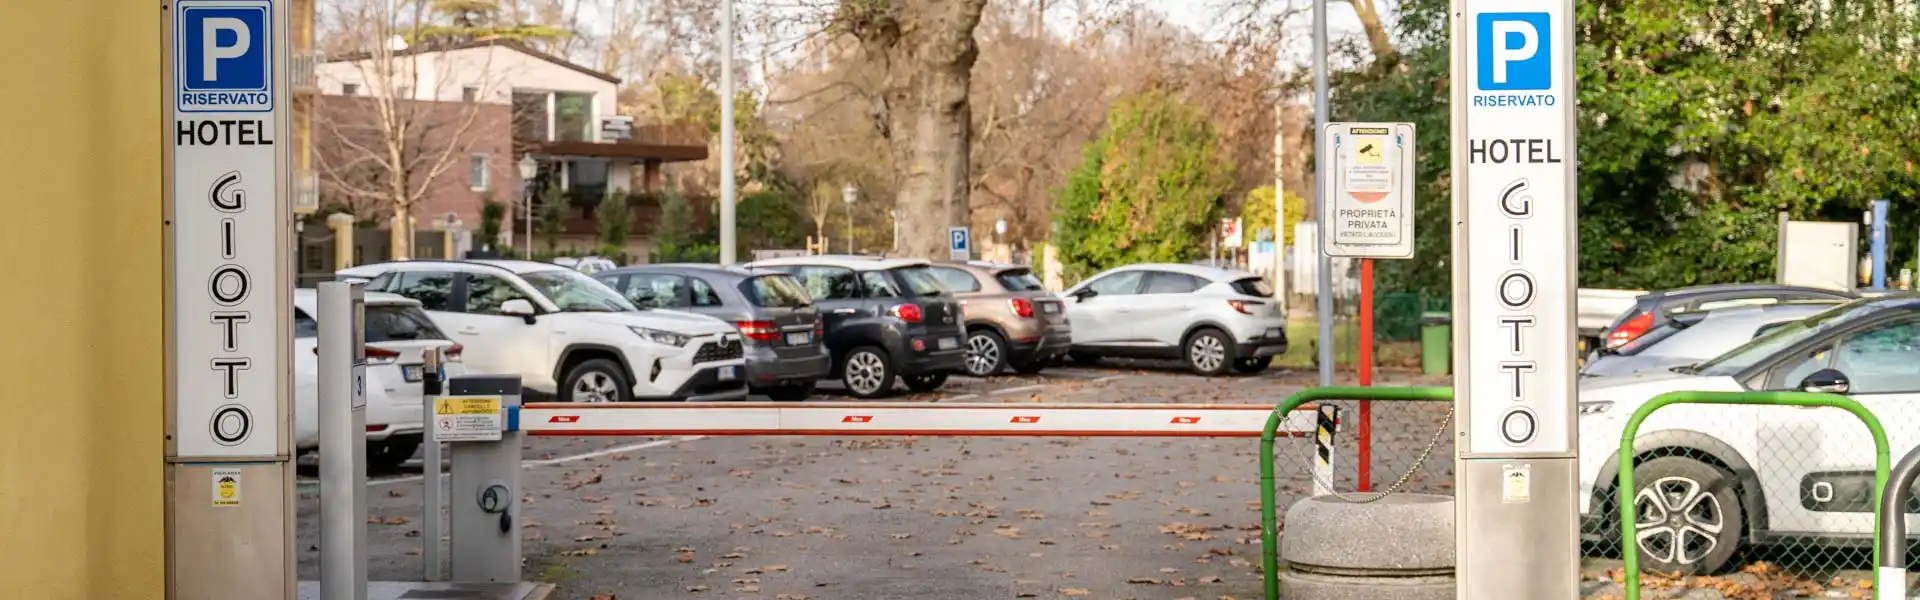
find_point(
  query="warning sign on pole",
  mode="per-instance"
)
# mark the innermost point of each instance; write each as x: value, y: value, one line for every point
x: 467, y: 419
x: 1369, y: 213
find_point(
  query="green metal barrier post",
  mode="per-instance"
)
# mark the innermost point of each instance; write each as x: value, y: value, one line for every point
x: 1269, y: 515
x: 1881, y: 458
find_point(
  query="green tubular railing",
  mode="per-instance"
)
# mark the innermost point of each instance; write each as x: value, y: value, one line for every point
x: 1269, y: 519
x: 1626, y: 492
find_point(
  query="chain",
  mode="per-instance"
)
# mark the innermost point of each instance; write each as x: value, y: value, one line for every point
x: 1407, y: 476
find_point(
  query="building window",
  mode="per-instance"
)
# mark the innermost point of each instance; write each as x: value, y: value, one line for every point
x: 479, y: 175
x: 469, y: 94
x: 349, y: 89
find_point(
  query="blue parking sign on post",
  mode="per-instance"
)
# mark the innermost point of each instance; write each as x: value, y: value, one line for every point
x: 959, y: 243
x: 224, y: 60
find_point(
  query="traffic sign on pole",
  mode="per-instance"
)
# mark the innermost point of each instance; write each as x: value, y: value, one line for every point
x: 1514, y: 282
x: 1370, y: 212
x: 959, y: 243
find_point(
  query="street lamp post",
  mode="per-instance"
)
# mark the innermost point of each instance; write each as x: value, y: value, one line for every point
x: 849, y: 194
x: 528, y: 168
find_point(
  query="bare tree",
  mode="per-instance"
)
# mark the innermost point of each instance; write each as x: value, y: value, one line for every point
x: 925, y: 50
x: 386, y: 150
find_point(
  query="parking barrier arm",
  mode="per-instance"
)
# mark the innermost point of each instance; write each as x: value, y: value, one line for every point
x: 1269, y: 515
x: 1626, y: 492
x: 1891, y: 574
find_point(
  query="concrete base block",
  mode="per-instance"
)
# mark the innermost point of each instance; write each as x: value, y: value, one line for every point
x: 1400, y: 535
x: 1310, y: 586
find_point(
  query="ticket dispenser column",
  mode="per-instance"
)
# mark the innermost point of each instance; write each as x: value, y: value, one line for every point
x: 342, y: 405
x: 477, y: 418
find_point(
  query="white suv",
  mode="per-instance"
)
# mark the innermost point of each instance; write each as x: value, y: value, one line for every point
x: 1214, y: 319
x: 397, y: 334
x: 565, y: 334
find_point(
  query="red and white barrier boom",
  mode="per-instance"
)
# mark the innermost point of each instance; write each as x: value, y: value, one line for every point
x: 910, y: 419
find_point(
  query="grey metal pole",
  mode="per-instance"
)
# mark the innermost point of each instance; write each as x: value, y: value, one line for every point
x: 431, y: 389
x: 726, y: 134
x: 343, y: 443
x: 1890, y: 576
x: 1324, y: 298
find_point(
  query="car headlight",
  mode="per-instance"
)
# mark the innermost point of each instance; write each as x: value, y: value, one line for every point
x: 1596, y: 407
x: 658, y: 336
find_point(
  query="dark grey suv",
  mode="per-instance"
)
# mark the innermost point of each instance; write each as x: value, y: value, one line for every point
x: 888, y: 319
x: 784, y: 350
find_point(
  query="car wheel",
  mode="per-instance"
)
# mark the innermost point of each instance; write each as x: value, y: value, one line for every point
x: 921, y: 384
x: 790, y: 392
x: 597, y: 380
x: 1209, y: 352
x: 868, y: 373
x: 986, y: 353
x: 1249, y: 366
x: 389, y: 455
x: 1687, y: 516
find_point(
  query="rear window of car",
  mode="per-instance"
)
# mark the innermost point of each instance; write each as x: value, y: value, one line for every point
x: 399, y: 323
x: 1019, y: 280
x: 921, y: 281
x: 1253, y: 286
x: 775, y: 291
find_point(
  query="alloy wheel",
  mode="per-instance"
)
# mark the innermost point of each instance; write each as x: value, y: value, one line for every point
x: 595, y: 387
x: 982, y: 355
x: 865, y: 372
x: 1207, y: 353
x: 1679, y: 521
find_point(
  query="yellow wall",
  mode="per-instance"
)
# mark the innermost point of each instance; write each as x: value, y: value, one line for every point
x: 80, y: 341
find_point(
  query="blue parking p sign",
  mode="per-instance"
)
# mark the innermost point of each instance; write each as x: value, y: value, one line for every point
x: 223, y: 55
x: 959, y: 243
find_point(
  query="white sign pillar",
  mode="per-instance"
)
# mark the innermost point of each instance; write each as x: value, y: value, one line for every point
x: 1514, y: 279
x: 230, y: 481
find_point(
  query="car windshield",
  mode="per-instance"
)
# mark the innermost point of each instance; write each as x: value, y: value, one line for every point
x: 1785, y: 336
x: 922, y: 281
x: 1020, y: 280
x: 574, y: 292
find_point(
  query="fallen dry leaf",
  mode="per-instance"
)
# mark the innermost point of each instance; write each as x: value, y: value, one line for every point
x: 389, y: 520
x: 1084, y: 591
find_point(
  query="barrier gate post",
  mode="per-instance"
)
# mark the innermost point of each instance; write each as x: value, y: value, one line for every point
x: 478, y: 418
x: 342, y: 408
x: 1890, y: 574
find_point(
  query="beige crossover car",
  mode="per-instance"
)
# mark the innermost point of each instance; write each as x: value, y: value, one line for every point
x: 1012, y: 320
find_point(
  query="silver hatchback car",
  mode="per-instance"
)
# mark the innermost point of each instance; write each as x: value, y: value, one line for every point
x: 776, y: 317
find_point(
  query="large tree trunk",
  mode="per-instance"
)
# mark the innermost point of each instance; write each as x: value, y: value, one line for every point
x: 1377, y: 38
x: 927, y: 49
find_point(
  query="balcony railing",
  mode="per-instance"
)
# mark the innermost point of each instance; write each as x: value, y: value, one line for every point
x: 306, y: 192
x: 306, y: 70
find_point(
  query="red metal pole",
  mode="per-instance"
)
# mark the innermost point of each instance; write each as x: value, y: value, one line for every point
x: 1365, y: 456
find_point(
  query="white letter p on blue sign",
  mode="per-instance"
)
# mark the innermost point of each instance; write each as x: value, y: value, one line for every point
x: 214, y: 51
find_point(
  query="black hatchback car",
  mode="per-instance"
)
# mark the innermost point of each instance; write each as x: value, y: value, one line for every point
x: 779, y: 322
x: 887, y: 319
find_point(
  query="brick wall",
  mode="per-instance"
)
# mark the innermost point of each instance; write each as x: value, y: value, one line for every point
x: 348, y: 131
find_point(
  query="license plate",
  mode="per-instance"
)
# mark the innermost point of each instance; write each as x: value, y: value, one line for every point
x: 729, y: 373
x: 799, y: 339
x: 1049, y: 308
x: 411, y: 373
x: 949, y: 343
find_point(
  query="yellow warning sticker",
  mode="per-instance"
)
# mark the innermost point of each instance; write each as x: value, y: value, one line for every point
x: 467, y: 405
x: 1369, y: 150
x: 226, y: 487
x: 1516, y: 485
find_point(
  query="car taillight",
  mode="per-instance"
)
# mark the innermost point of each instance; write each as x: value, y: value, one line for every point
x: 382, y: 356
x: 1021, y: 307
x: 1630, y: 330
x: 1244, y: 306
x: 759, y: 331
x: 910, y: 313
x: 452, y: 353
x: 819, y: 329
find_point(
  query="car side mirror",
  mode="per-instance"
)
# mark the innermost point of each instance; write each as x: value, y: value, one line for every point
x: 1825, y: 381
x: 1082, y: 294
x: 519, y: 307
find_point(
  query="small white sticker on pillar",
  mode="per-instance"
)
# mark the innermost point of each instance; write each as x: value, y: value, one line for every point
x: 1516, y: 485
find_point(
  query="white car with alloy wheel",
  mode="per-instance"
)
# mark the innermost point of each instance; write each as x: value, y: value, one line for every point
x: 1713, y: 479
x: 567, y: 335
x: 1215, y: 320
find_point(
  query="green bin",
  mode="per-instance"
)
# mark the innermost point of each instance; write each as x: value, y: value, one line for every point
x: 1436, y: 343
